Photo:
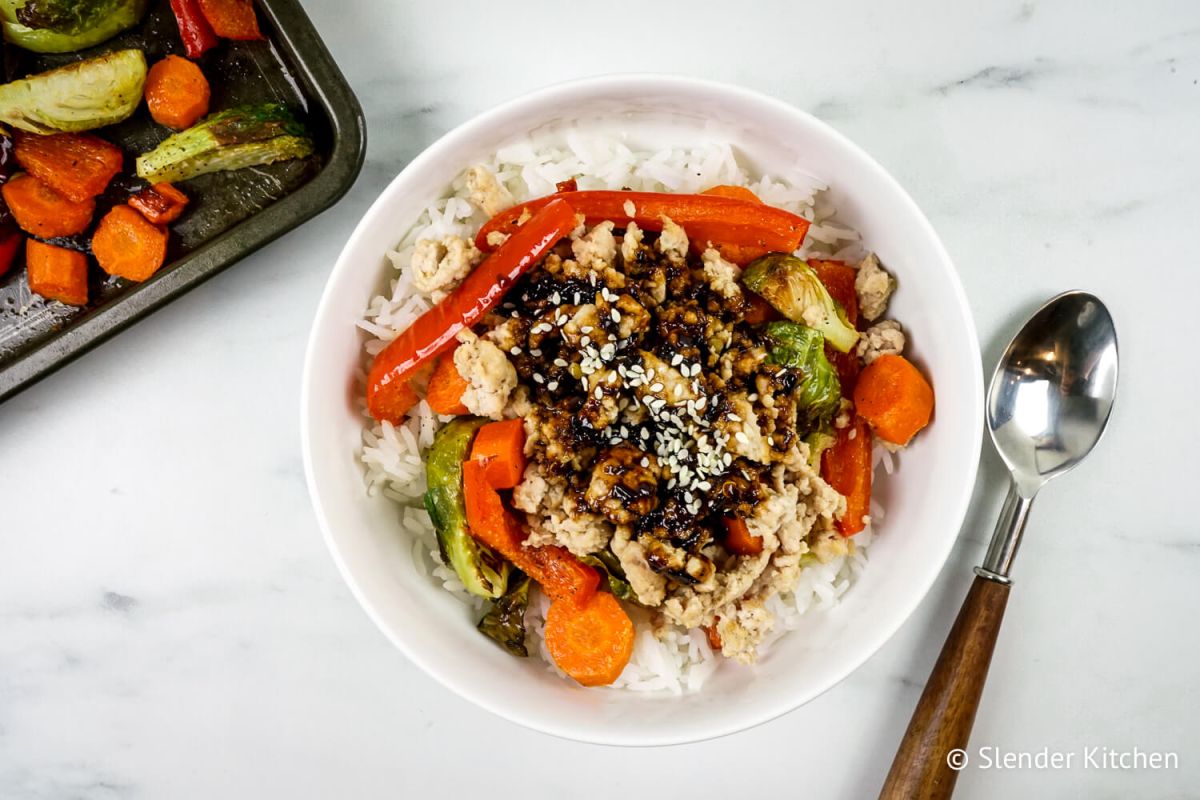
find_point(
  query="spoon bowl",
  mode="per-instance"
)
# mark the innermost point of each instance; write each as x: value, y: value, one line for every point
x: 1053, y: 390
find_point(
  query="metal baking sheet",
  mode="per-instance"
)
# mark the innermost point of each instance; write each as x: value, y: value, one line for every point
x: 230, y: 215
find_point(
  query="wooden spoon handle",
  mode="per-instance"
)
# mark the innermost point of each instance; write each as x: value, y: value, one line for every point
x: 944, y: 714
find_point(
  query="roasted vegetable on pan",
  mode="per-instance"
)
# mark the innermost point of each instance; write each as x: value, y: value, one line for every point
x: 62, y: 26
x: 78, y: 97
x: 243, y: 136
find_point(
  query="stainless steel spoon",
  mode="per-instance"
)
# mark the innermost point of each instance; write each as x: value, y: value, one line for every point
x: 1047, y: 406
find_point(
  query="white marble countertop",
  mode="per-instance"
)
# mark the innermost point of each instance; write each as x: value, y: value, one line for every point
x: 170, y: 622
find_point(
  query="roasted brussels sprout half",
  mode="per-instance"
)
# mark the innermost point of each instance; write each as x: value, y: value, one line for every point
x: 610, y: 567
x: 481, y: 570
x: 78, y: 97
x: 799, y: 347
x: 793, y: 288
x: 243, y: 136
x: 504, y: 623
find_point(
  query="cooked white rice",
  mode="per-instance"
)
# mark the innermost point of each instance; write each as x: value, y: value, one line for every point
x: 675, y: 660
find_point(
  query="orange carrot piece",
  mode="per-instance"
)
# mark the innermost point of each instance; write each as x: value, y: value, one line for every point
x: 561, y: 575
x: 160, y: 203
x: 501, y: 448
x: 129, y: 246
x: 446, y: 387
x: 231, y: 19
x: 894, y: 397
x: 78, y: 166
x: 43, y: 212
x: 177, y: 93
x: 739, y: 540
x: 736, y: 192
x: 846, y: 466
x: 590, y: 641
x: 57, y: 273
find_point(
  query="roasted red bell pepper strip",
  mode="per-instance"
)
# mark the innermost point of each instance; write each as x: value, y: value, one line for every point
x: 197, y: 34
x: 740, y: 230
x: 389, y: 396
x: 838, y: 278
x: 846, y: 466
x: 232, y: 19
x: 561, y: 575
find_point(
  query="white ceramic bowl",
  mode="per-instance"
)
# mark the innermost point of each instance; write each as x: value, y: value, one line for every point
x: 925, y: 501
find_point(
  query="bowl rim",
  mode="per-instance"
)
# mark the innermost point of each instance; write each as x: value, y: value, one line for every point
x: 634, y: 82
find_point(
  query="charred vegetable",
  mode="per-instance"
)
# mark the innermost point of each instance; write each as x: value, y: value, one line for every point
x: 62, y: 26
x: 244, y: 136
x: 610, y: 567
x: 793, y: 287
x: 504, y: 623
x: 78, y: 97
x: 481, y: 571
x: 801, y: 348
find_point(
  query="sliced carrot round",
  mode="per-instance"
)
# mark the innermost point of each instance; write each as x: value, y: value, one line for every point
x: 591, y: 642
x: 894, y: 397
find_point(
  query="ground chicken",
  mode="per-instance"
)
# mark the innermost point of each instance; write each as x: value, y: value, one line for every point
x: 742, y: 630
x: 647, y: 585
x: 673, y: 241
x: 745, y: 436
x: 440, y: 265
x: 722, y: 275
x: 489, y: 375
x: 631, y: 242
x: 882, y: 338
x: 487, y: 193
x: 873, y: 285
x: 597, y: 249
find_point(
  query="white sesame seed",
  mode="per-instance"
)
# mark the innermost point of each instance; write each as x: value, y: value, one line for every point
x: 656, y: 387
x: 585, y: 340
x: 586, y: 329
x: 536, y: 353
x: 516, y: 351
x: 752, y: 397
x: 561, y: 320
x: 578, y: 297
x: 701, y: 402
x: 741, y: 437
x: 676, y: 360
x: 560, y: 362
x: 612, y: 377
x: 600, y: 393
x: 537, y: 377
x: 556, y: 298
x: 678, y: 390
x: 645, y: 462
x: 552, y: 385
x: 615, y: 315
x: 732, y: 417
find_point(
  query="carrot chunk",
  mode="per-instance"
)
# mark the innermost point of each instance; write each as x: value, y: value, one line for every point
x: 177, y: 93
x: 501, y: 448
x: 43, y: 212
x: 590, y: 641
x: 846, y: 466
x: 739, y: 540
x: 129, y: 246
x: 894, y: 397
x: 446, y: 387
x: 57, y: 273
x: 736, y: 192
x: 78, y: 166
x: 160, y: 203
x: 231, y: 19
x: 561, y: 575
